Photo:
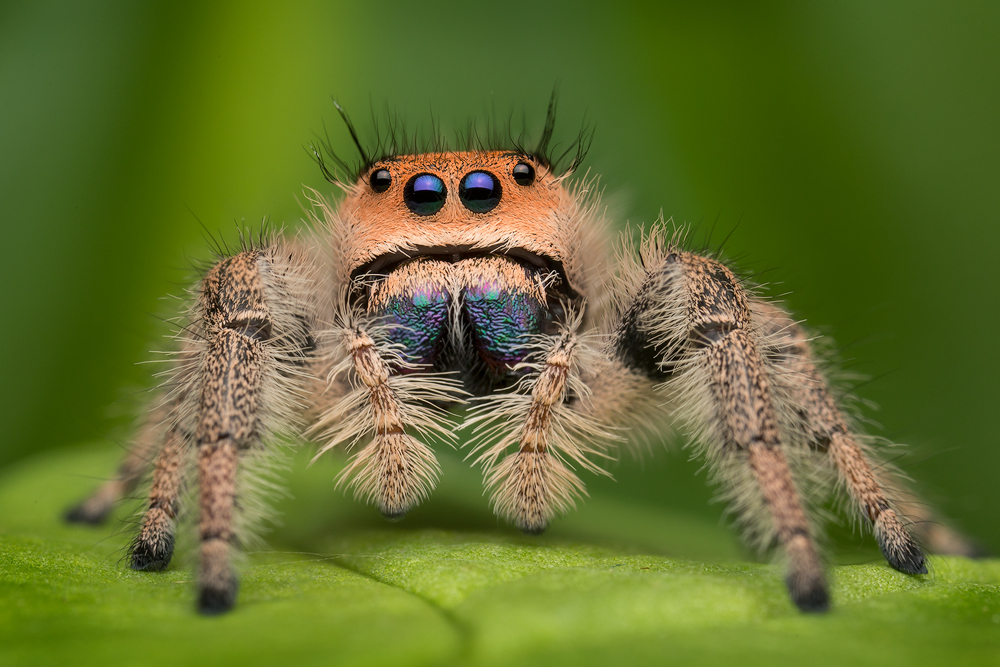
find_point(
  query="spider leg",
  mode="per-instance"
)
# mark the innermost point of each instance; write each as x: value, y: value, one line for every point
x: 136, y: 463
x: 529, y: 439
x: 256, y: 335
x: 879, y: 496
x: 153, y: 546
x: 395, y: 470
x: 531, y: 483
x: 238, y: 380
x: 686, y: 319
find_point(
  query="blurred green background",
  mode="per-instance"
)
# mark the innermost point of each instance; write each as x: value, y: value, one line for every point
x: 852, y: 149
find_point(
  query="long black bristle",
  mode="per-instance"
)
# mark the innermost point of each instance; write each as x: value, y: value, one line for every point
x: 350, y: 128
x: 393, y: 138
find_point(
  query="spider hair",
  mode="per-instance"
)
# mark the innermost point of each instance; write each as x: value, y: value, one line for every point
x: 361, y: 330
x: 392, y: 138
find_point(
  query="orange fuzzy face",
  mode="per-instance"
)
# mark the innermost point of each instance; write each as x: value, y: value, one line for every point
x: 450, y: 203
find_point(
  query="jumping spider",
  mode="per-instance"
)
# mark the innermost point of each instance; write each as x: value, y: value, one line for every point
x: 486, y: 276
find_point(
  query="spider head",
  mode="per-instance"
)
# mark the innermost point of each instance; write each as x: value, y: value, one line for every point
x: 456, y: 204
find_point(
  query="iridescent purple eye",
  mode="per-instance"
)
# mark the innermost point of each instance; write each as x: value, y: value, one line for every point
x: 479, y: 191
x: 424, y: 194
x: 524, y: 173
x: 380, y: 180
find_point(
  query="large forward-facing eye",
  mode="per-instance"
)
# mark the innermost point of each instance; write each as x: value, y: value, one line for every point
x: 380, y: 180
x: 479, y: 191
x: 424, y: 194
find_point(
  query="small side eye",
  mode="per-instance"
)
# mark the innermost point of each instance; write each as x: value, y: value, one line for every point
x: 380, y: 180
x: 424, y: 194
x: 479, y: 191
x: 524, y: 173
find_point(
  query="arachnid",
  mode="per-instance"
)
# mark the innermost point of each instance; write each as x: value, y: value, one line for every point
x: 486, y: 276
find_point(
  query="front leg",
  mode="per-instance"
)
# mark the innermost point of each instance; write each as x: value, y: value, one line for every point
x: 687, y: 320
x: 395, y: 471
x: 254, y: 326
x: 529, y: 439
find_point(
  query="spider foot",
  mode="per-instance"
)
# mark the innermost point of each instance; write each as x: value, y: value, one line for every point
x: 808, y: 594
x: 218, y: 597
x: 94, y: 509
x: 805, y: 581
x: 149, y: 556
x: 217, y: 584
x: 154, y: 545
x: 908, y: 558
x: 87, y: 512
x: 897, y: 546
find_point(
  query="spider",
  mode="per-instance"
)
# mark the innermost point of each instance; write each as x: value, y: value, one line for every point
x: 487, y: 276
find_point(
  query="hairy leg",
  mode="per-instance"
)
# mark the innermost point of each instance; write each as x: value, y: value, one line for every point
x: 366, y: 396
x: 813, y: 412
x: 153, y: 546
x: 236, y: 381
x: 241, y: 375
x: 531, y: 484
x: 687, y: 320
x: 528, y: 439
x: 133, y: 468
x: 395, y: 471
x: 255, y: 318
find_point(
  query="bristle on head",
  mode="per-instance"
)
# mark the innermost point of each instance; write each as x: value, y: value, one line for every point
x: 394, y: 138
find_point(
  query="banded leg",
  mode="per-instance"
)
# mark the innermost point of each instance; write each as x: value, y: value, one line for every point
x: 153, y: 546
x: 134, y: 466
x: 687, y: 320
x: 395, y: 471
x: 884, y: 503
x: 217, y: 584
x: 534, y: 483
x: 256, y: 329
x: 237, y: 322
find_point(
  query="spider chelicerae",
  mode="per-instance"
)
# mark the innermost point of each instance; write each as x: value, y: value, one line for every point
x: 487, y: 276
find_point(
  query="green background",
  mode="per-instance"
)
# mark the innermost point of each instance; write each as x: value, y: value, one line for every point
x: 852, y: 149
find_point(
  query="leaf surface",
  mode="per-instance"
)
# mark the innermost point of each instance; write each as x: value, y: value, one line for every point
x: 449, y: 586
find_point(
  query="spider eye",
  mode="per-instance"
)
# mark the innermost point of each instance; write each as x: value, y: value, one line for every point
x: 380, y: 180
x: 524, y: 173
x: 479, y: 191
x: 424, y: 194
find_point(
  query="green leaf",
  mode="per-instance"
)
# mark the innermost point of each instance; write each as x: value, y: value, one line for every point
x: 449, y: 586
